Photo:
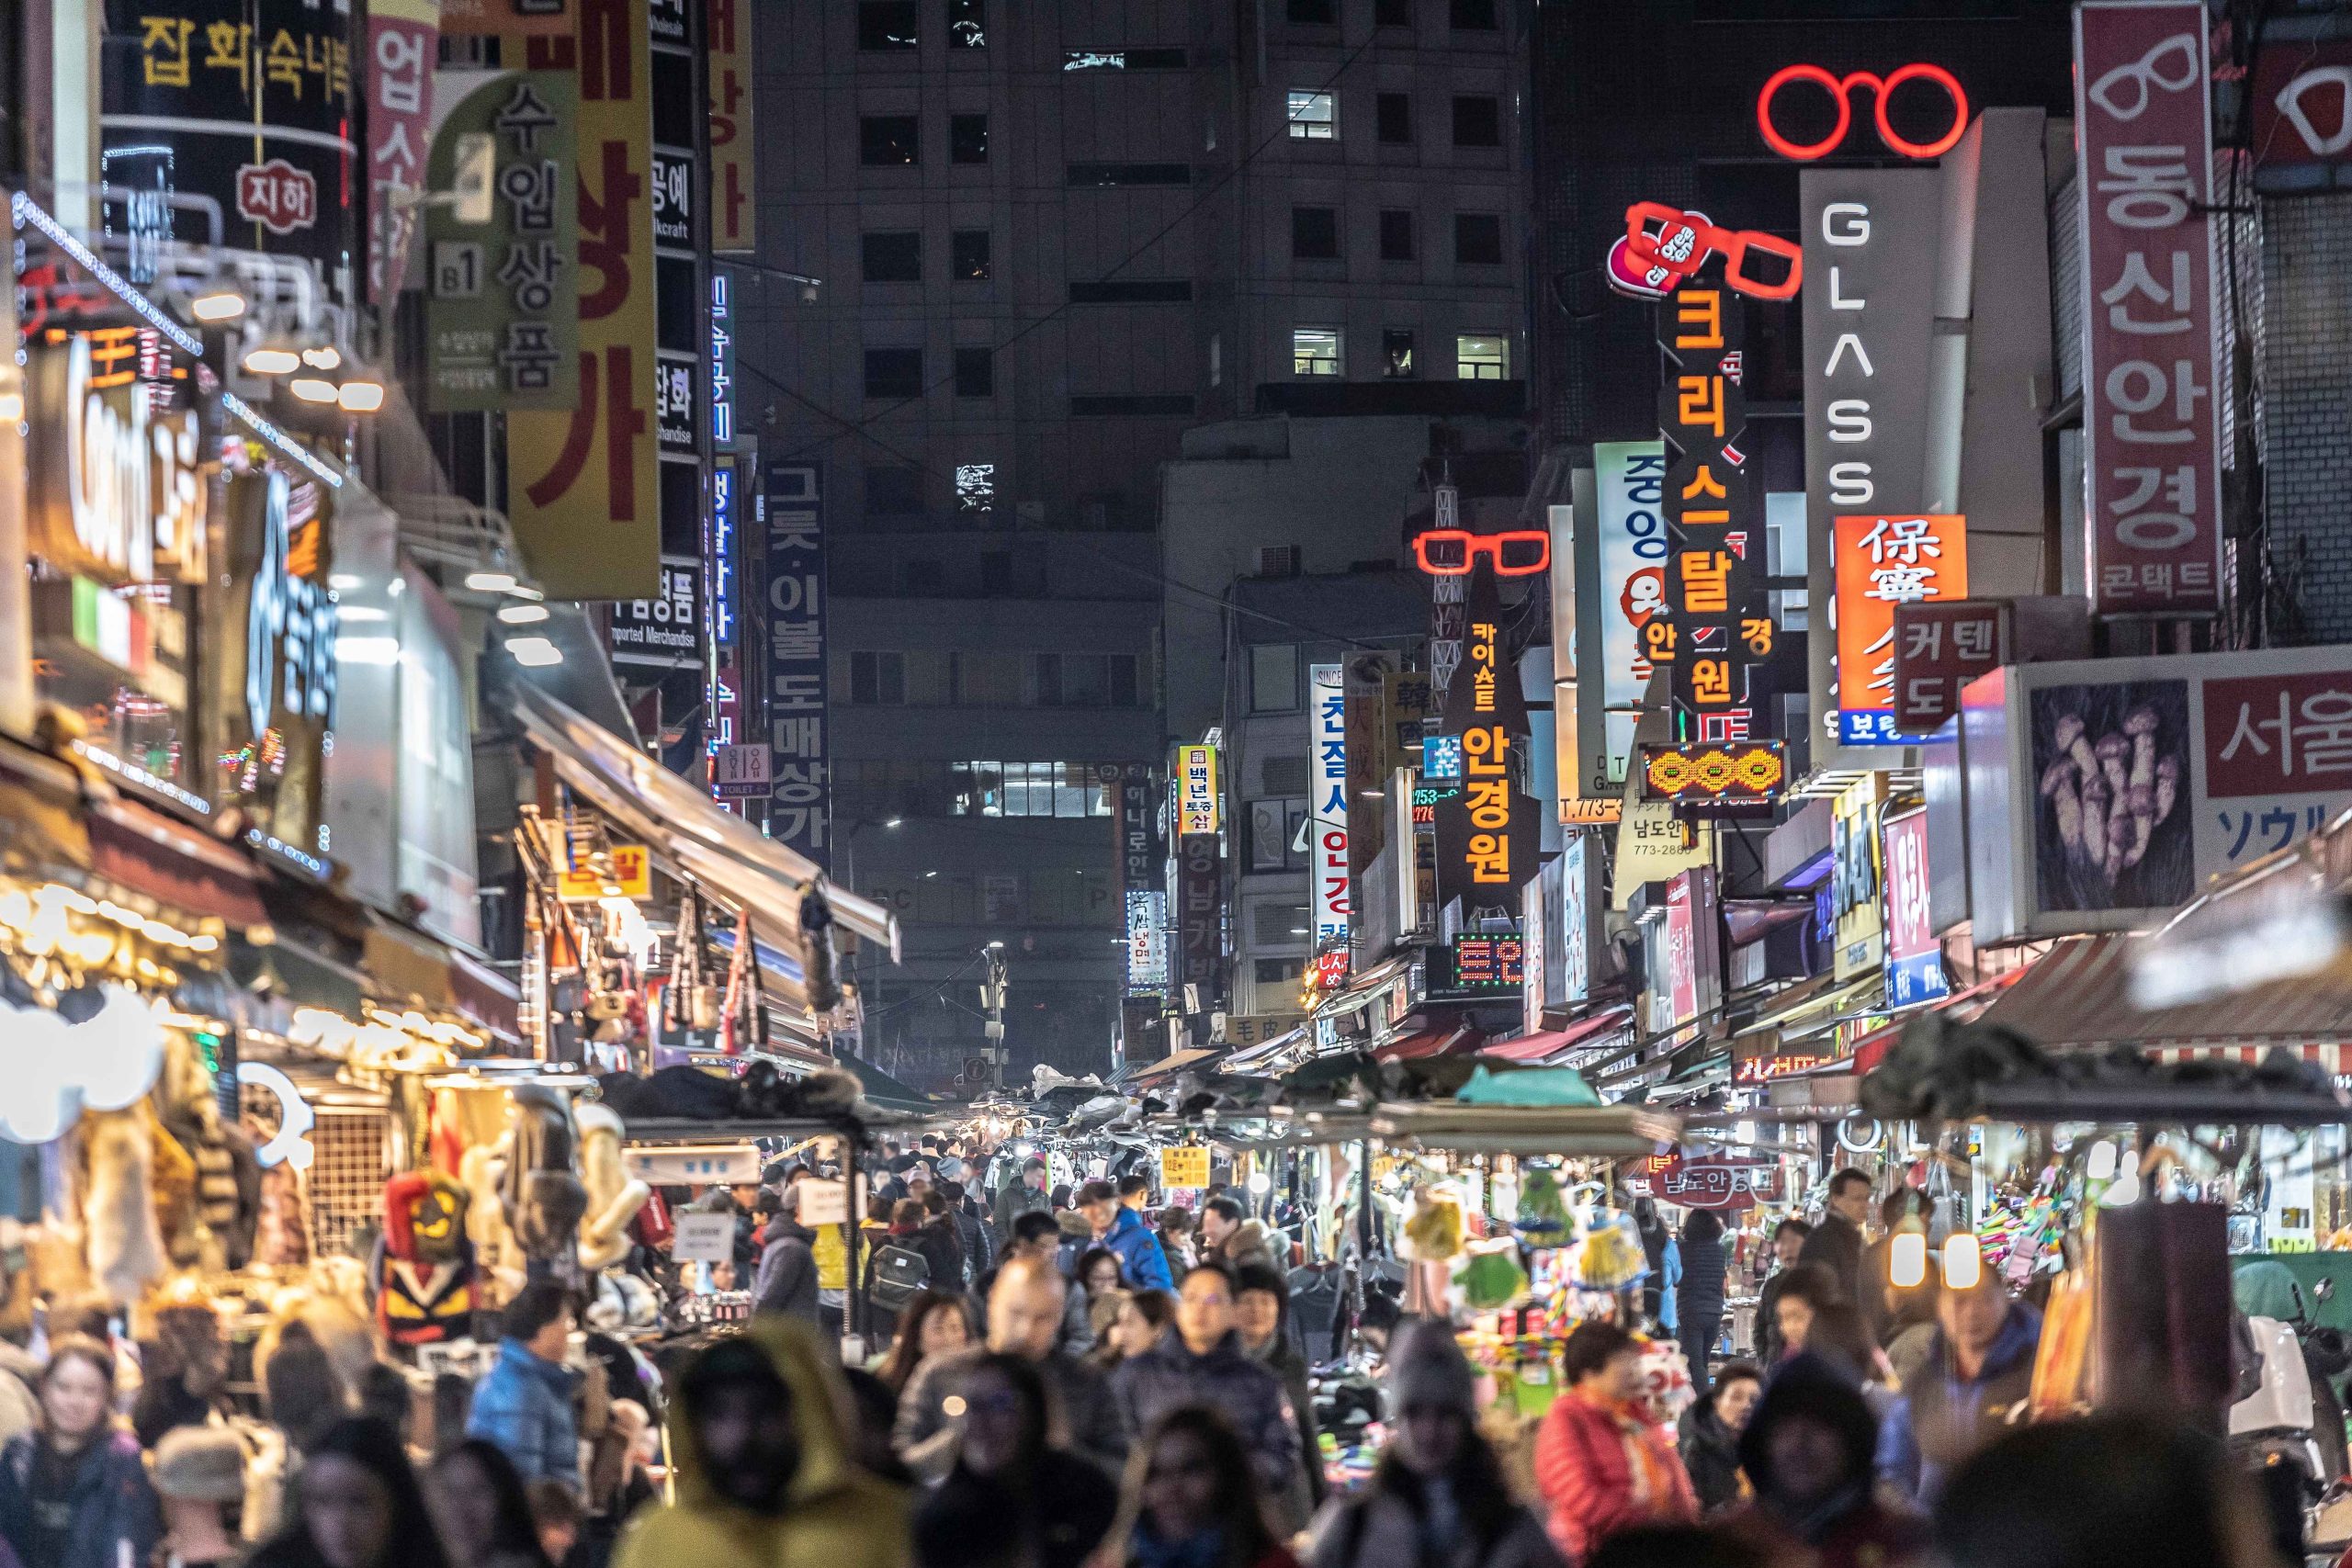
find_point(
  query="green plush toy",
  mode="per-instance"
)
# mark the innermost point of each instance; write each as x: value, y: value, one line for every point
x: 1542, y: 1217
x: 1492, y: 1279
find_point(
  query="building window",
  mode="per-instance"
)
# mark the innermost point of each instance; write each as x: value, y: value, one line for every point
x: 1217, y: 359
x: 1124, y: 60
x: 1392, y: 13
x: 1314, y: 233
x: 1473, y: 16
x: 1087, y: 680
x: 1314, y: 117
x: 1392, y: 119
x: 1396, y: 234
x: 888, y: 24
x: 1314, y: 13
x: 1275, y: 924
x: 1478, y: 238
x: 1273, y: 677
x: 1396, y: 353
x: 894, y: 372
x: 976, y: 373
x: 968, y: 255
x: 1128, y: 175
x: 1028, y: 789
x: 1479, y: 357
x: 1276, y: 971
x: 877, y: 678
x: 996, y: 572
x: 1478, y: 122
x: 1143, y: 405
x: 976, y: 487
x: 893, y: 491
x: 1132, y: 291
x: 894, y: 257
x: 922, y: 576
x: 885, y: 140
x: 967, y: 24
x: 967, y: 139
x: 1315, y: 350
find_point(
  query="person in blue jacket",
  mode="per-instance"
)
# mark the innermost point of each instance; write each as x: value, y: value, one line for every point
x: 1975, y: 1385
x: 525, y: 1402
x: 1122, y: 1231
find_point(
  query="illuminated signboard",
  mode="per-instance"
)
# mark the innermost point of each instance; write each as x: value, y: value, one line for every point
x: 1750, y: 773
x: 1881, y: 561
x: 1841, y: 90
x: 1196, y: 790
x: 1454, y: 552
x: 1328, y: 819
x: 1442, y: 757
x: 1664, y: 247
x: 1147, y: 942
x: 1479, y: 966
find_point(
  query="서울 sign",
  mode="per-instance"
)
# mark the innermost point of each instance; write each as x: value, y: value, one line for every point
x: 1747, y: 773
x: 2151, y: 446
x: 1882, y: 561
x: 1841, y: 91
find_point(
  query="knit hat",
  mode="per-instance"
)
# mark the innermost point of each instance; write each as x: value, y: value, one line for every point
x: 1427, y: 1369
x: 200, y: 1465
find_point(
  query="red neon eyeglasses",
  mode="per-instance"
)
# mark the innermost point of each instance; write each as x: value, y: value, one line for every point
x: 1452, y: 552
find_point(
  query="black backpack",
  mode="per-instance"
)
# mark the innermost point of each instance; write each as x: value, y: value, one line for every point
x: 898, y: 1272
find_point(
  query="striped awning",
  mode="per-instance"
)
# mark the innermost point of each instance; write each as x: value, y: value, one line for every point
x: 2079, y: 997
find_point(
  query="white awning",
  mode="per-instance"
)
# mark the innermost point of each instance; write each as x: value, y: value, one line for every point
x: 685, y: 826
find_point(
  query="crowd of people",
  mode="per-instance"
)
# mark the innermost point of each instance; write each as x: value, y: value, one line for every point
x: 1073, y: 1379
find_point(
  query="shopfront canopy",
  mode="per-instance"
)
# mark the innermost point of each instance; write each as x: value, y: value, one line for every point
x: 2079, y: 995
x: 685, y: 826
x: 1550, y: 1044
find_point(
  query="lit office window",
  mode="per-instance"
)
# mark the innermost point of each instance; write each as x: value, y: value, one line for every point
x: 1314, y: 117
x: 1480, y: 358
x: 1315, y: 350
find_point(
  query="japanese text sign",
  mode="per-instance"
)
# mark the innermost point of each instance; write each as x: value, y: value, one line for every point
x: 2151, y: 418
x: 581, y: 485
x: 1882, y: 561
x: 1941, y: 644
x: 502, y: 299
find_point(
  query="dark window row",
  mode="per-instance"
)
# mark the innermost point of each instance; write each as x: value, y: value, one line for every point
x: 1131, y: 404
x: 1463, y: 16
x: 1315, y: 236
x: 1132, y: 291
x: 1129, y: 174
x: 895, y: 26
x: 890, y: 140
x: 897, y: 373
x: 896, y: 256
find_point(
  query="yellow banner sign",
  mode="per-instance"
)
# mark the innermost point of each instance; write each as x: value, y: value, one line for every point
x: 632, y: 877
x: 1185, y: 1168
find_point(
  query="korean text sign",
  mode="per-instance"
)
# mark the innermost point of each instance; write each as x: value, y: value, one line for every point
x: 1914, y: 958
x: 1883, y: 560
x: 800, y: 781
x: 1941, y: 644
x: 581, y: 485
x: 1196, y: 803
x: 1630, y: 554
x: 1327, y: 808
x: 2151, y: 419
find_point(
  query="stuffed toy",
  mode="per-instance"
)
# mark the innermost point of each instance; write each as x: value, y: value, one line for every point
x: 544, y: 1201
x: 612, y: 1199
x: 1433, y: 1229
x: 423, y: 1267
x: 1542, y: 1217
x: 125, y: 1250
x: 482, y: 1170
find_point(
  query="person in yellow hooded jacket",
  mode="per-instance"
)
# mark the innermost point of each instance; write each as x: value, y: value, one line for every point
x: 763, y: 1475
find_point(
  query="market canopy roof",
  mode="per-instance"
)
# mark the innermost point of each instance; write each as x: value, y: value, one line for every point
x: 1547, y: 1044
x: 721, y: 851
x: 2080, y: 996
x: 1609, y: 1132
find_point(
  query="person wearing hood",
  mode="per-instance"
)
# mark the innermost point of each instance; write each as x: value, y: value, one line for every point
x: 786, y: 1281
x: 1230, y: 1237
x: 942, y: 1245
x: 763, y: 1470
x: 1121, y: 1232
x: 1809, y: 1452
x: 1978, y: 1375
x: 1262, y: 1314
x: 979, y: 1252
x: 1015, y: 1499
x: 525, y: 1402
x: 1439, y: 1498
x: 1710, y: 1433
x: 1699, y: 1294
x: 1201, y: 1361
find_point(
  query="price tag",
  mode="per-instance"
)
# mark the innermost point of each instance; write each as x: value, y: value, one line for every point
x: 1185, y: 1168
x: 704, y: 1238
x: 821, y: 1202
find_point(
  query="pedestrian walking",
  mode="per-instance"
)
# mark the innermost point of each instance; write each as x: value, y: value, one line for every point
x: 1711, y: 1429
x: 786, y: 1281
x: 1808, y: 1453
x: 1600, y: 1464
x: 941, y: 1243
x: 75, y: 1493
x: 1121, y: 1231
x: 483, y: 1508
x: 1806, y: 1292
x: 1099, y: 1273
x: 1024, y: 1194
x: 971, y: 1226
x: 1024, y: 1319
x: 199, y: 1473
x: 1262, y: 1315
x: 1788, y: 1244
x: 1978, y: 1375
x: 1202, y: 1362
x: 1836, y: 1241
x: 357, y: 1505
x: 1193, y: 1498
x: 763, y: 1469
x: 1143, y: 1319
x: 1175, y: 1227
x: 1014, y: 1499
x: 1439, y: 1498
x: 525, y: 1402
x: 933, y: 1324
x: 1699, y: 1298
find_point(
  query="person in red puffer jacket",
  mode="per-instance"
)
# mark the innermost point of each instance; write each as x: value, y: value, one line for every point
x: 1600, y: 1464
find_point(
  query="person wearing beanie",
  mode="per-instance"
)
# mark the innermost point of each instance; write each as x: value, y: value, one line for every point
x: 198, y: 1471
x: 1438, y: 1499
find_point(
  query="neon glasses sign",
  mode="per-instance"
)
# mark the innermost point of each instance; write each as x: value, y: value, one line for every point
x: 1841, y: 88
x: 1454, y: 552
x: 1664, y: 247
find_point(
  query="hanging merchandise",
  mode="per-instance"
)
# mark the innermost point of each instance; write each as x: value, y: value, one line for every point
x: 1492, y: 1278
x: 544, y: 1201
x: 2062, y: 1362
x: 817, y: 935
x: 743, y: 1019
x: 1433, y: 1229
x: 424, y: 1268
x: 1666, y: 1390
x: 1608, y: 1256
x: 1542, y: 1216
x: 613, y: 1199
x: 690, y: 1000
x: 125, y: 1246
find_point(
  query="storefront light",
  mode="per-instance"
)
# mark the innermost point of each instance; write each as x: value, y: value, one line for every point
x: 2101, y: 1164
x: 1906, y: 1260
x: 1964, y: 1261
x: 534, y: 652
x: 36, y: 1103
x: 523, y: 615
x: 490, y: 581
x: 217, y: 305
x: 272, y: 362
x: 360, y: 397
x: 310, y: 390
x: 118, y: 1052
x: 325, y: 358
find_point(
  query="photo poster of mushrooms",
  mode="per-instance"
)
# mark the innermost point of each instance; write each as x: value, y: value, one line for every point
x: 2112, y: 786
